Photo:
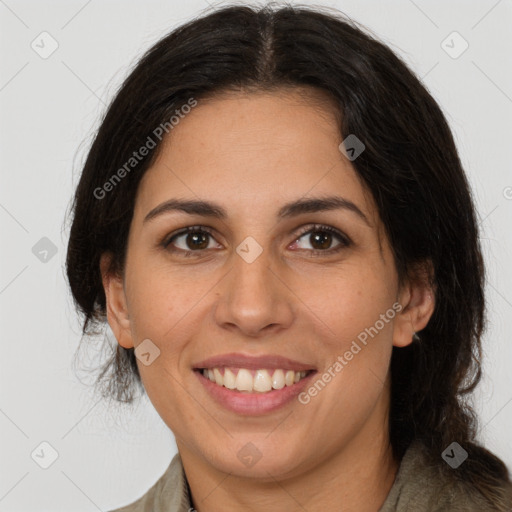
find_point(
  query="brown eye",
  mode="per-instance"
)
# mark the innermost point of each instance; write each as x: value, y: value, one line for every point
x: 197, y: 240
x: 191, y: 239
x: 321, y: 239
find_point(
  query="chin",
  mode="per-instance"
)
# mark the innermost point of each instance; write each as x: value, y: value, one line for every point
x: 257, y: 460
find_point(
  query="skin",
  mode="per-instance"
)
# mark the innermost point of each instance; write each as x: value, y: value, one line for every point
x: 252, y: 153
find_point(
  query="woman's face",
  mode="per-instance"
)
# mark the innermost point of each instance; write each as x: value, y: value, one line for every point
x: 269, y: 279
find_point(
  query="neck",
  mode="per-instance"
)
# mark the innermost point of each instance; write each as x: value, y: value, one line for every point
x: 358, y: 477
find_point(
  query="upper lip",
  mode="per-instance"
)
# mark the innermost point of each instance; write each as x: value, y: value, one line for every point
x: 269, y: 361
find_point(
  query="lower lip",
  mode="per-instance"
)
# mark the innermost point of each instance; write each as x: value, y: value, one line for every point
x: 253, y: 403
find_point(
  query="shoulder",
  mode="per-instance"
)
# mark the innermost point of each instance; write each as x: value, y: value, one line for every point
x: 169, y: 494
x: 421, y: 486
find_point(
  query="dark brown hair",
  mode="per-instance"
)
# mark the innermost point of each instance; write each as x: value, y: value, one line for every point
x: 410, y: 165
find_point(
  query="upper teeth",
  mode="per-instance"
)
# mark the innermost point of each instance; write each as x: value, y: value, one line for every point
x: 244, y: 380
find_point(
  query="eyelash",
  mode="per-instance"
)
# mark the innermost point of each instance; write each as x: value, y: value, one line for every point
x: 345, y: 241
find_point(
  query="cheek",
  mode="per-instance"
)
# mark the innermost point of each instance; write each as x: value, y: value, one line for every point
x: 356, y: 359
x: 166, y: 308
x: 159, y: 301
x: 355, y: 321
x: 349, y: 303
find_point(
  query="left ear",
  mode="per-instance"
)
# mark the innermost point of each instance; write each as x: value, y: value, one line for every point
x: 417, y: 298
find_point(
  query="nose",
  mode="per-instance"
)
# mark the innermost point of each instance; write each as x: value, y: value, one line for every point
x: 254, y: 300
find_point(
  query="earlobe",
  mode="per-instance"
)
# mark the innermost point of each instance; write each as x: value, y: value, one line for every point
x: 116, y: 305
x: 418, y: 301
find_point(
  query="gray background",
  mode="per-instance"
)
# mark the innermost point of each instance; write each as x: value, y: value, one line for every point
x: 50, y: 108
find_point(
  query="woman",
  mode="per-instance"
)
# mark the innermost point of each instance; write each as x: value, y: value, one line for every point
x: 274, y: 221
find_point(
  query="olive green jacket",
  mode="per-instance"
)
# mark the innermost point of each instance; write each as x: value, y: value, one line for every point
x: 418, y: 487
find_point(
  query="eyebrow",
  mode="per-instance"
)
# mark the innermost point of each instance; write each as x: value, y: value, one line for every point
x: 295, y: 208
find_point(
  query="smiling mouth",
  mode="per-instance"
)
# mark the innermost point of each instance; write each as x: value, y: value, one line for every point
x: 253, y: 381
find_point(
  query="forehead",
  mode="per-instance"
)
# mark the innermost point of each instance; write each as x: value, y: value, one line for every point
x: 251, y: 152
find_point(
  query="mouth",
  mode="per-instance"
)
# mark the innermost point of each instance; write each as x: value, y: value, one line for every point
x: 255, y: 392
x: 252, y: 385
x: 247, y: 380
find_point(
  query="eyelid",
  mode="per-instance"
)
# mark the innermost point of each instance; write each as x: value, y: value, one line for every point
x: 311, y: 227
x: 323, y: 227
x: 183, y: 231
